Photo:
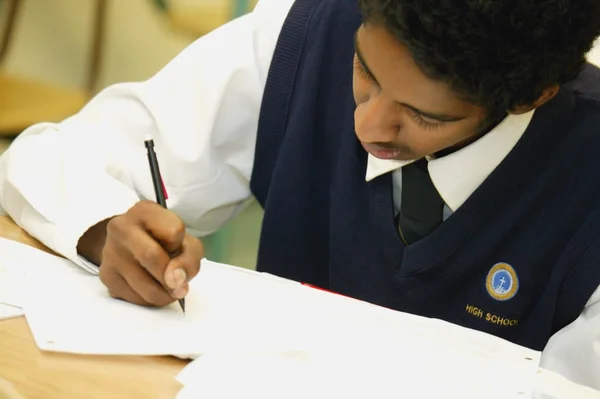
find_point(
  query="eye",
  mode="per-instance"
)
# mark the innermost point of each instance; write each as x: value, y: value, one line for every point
x: 360, y: 69
x: 425, y: 122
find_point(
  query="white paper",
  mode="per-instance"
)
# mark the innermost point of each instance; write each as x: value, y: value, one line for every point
x: 248, y: 322
x: 22, y: 267
x: 81, y: 317
x: 549, y: 385
x: 10, y: 311
x: 327, y: 375
x: 368, y: 351
x: 273, y: 337
x: 360, y: 373
x: 225, y: 303
x: 229, y: 310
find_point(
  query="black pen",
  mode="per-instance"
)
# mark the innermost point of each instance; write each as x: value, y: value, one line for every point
x: 158, y: 186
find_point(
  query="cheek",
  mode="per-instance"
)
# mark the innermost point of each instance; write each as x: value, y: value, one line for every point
x: 360, y: 89
x: 417, y: 141
x: 428, y: 142
x: 461, y: 132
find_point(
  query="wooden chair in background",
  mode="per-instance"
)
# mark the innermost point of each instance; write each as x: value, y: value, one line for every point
x: 198, y: 17
x: 25, y: 101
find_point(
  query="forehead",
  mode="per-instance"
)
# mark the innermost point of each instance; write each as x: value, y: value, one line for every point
x: 401, y: 79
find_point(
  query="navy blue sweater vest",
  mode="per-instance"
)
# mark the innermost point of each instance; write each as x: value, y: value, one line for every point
x: 519, y: 259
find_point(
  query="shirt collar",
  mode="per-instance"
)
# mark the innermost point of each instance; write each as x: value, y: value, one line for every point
x: 458, y: 175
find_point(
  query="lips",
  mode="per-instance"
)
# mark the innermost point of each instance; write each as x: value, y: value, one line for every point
x: 382, y: 153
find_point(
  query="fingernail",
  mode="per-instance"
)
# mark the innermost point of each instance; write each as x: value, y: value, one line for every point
x: 179, y: 277
x: 180, y: 292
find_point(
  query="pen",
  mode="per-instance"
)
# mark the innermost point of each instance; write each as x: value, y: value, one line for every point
x: 159, y: 189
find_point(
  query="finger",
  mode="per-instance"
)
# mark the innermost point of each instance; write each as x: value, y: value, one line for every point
x: 186, y: 265
x: 118, y: 287
x: 164, y: 225
x: 144, y: 285
x: 182, y: 291
x: 147, y: 252
x: 124, y: 292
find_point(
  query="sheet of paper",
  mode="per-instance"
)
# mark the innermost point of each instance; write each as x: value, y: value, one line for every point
x: 368, y: 351
x: 69, y: 310
x: 549, y: 385
x: 360, y: 373
x: 228, y: 310
x: 22, y: 266
x: 298, y: 376
x: 240, y: 317
x: 250, y: 325
x: 384, y: 375
x: 77, y: 315
x: 10, y: 311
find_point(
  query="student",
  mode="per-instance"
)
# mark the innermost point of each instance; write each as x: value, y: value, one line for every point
x: 439, y: 158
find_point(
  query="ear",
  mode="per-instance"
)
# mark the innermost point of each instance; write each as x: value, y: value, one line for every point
x: 547, y: 95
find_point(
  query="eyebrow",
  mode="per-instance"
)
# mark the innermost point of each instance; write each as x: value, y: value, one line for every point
x: 429, y: 115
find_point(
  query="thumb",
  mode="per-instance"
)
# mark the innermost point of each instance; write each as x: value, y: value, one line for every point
x: 186, y: 264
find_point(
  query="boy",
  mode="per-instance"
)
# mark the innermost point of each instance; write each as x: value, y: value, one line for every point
x: 436, y: 157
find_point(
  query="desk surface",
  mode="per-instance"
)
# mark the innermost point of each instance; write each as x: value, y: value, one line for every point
x: 43, y: 375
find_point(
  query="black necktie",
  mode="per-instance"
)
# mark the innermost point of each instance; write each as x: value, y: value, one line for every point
x: 422, y: 206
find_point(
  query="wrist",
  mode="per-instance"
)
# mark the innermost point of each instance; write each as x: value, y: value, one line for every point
x: 91, y: 243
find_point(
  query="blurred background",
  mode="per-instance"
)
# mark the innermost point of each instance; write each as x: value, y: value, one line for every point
x: 55, y: 54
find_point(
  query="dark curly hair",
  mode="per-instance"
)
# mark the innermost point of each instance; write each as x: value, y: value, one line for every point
x: 498, y: 54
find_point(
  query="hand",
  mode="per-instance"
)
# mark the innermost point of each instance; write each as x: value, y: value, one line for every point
x: 148, y: 258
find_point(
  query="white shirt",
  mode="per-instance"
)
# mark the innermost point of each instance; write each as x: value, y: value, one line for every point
x: 202, y: 109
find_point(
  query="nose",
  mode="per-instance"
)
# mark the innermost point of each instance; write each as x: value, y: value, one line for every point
x: 375, y: 122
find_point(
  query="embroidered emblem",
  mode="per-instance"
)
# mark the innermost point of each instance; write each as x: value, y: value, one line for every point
x: 502, y: 282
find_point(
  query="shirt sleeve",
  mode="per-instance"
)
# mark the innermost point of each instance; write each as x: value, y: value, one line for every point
x: 574, y: 351
x: 201, y: 110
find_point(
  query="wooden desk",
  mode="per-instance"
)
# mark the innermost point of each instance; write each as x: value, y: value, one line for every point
x: 44, y: 375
